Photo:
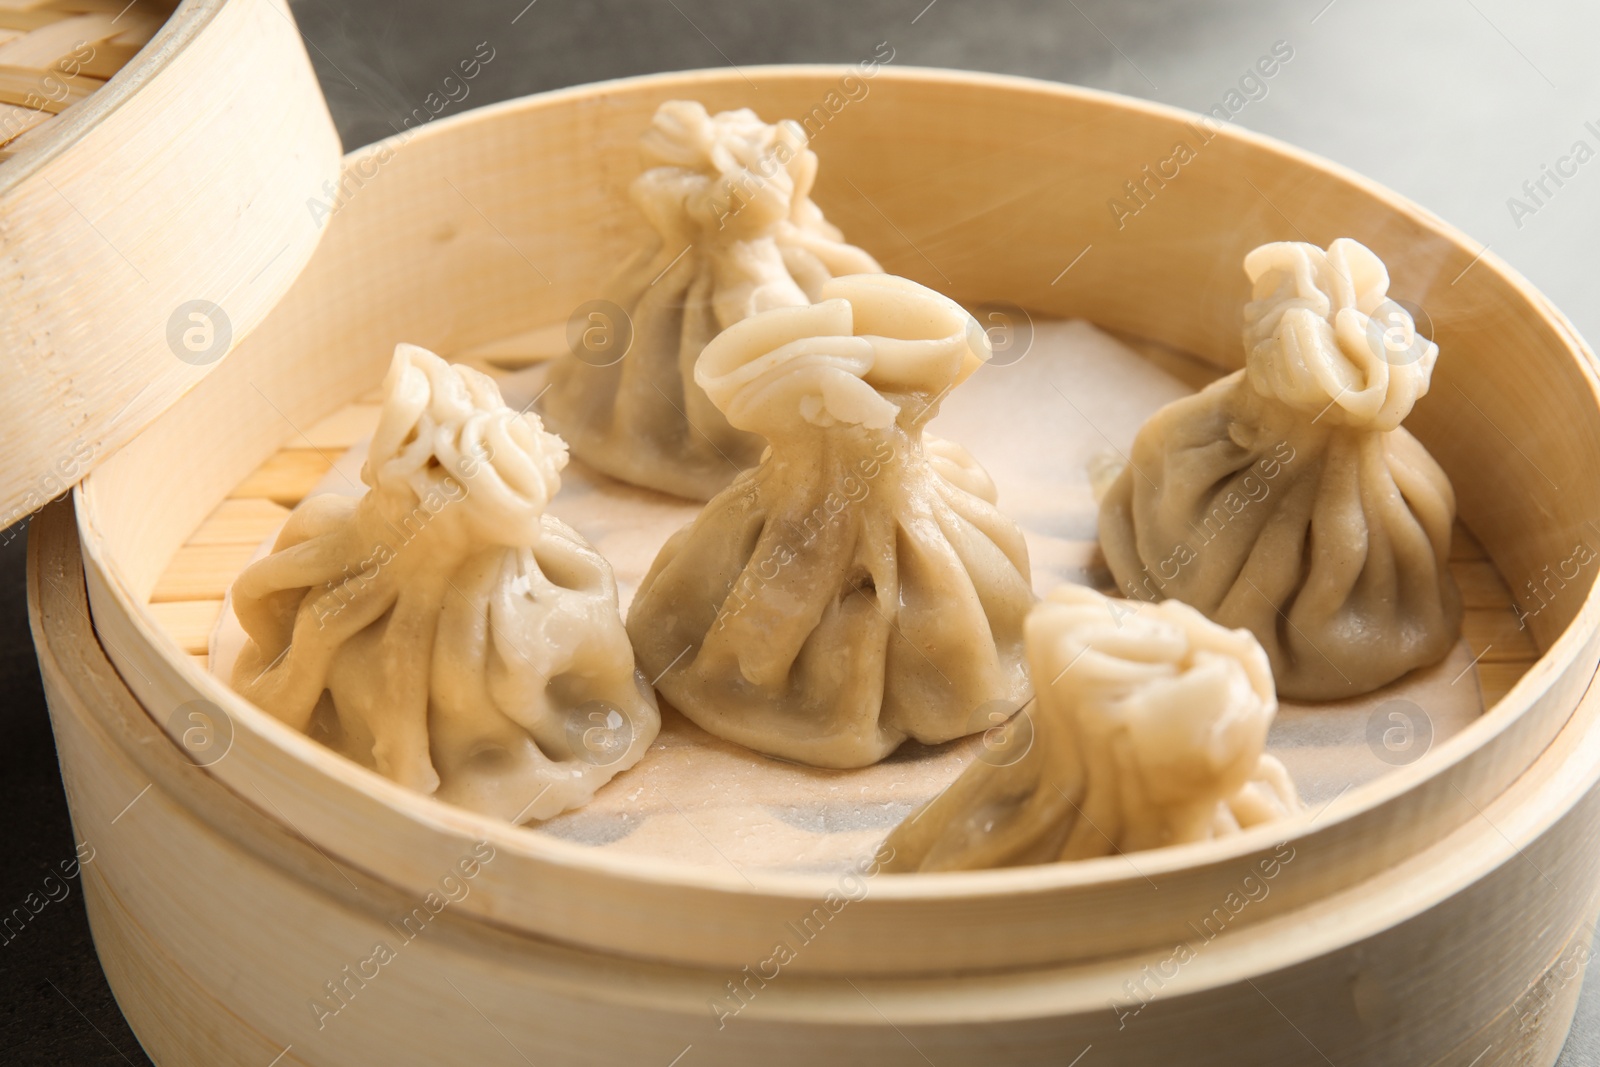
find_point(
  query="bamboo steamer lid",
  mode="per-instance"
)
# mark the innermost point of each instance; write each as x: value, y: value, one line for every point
x: 147, y: 227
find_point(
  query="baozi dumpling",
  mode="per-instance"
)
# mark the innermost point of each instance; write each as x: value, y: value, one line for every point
x: 1148, y: 728
x: 736, y: 233
x: 859, y: 586
x: 442, y: 629
x: 1287, y: 499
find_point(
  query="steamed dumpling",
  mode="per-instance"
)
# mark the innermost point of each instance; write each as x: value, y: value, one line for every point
x: 736, y: 234
x: 1287, y: 499
x: 1148, y: 729
x: 859, y: 586
x: 442, y: 629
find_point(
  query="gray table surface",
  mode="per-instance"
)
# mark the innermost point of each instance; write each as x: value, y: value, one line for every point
x: 1455, y: 103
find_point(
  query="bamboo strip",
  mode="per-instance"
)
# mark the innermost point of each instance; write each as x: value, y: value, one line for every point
x: 201, y: 572
x: 1495, y: 679
x: 28, y: 88
x: 247, y: 521
x: 45, y: 47
x: 16, y: 119
x: 188, y: 622
x: 1465, y: 546
x: 1495, y: 635
x: 1481, y: 585
x: 287, y: 477
x: 109, y: 57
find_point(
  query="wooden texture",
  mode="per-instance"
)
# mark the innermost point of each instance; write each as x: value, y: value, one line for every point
x: 188, y: 622
x: 220, y: 925
x: 54, y: 55
x: 184, y: 178
x: 200, y: 572
x: 1408, y: 927
x: 240, y: 522
x: 286, y: 478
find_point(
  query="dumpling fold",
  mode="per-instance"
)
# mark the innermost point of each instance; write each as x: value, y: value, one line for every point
x: 442, y: 629
x: 1287, y: 498
x: 1148, y: 729
x: 859, y: 586
x: 734, y: 233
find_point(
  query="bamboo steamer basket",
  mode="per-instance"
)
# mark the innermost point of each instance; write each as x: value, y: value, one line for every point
x: 177, y: 187
x: 1430, y: 916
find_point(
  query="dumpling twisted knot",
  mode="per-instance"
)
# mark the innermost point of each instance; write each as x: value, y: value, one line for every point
x: 735, y: 172
x: 446, y: 434
x: 1176, y: 703
x: 1322, y: 335
x: 1149, y: 730
x: 871, y: 338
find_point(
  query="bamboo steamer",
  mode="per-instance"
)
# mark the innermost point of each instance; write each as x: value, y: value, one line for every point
x: 1431, y: 916
x: 178, y: 187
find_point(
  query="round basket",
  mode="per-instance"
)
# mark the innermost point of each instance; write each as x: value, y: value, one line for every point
x: 1423, y: 917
